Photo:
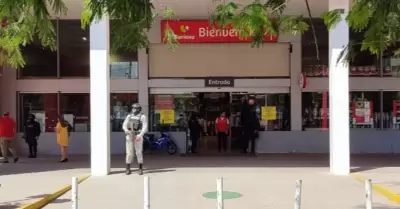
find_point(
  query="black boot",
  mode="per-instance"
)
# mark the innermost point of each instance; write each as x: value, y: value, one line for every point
x: 140, y: 169
x: 128, y: 169
x: 35, y: 151
x: 30, y: 151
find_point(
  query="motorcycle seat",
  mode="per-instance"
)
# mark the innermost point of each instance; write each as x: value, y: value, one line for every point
x: 150, y: 136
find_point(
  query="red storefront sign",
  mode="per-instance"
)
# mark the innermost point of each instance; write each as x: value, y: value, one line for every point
x: 200, y: 31
x: 164, y: 102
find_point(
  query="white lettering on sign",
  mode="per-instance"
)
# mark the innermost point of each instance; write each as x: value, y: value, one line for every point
x: 185, y: 37
x: 219, y: 82
x: 207, y: 32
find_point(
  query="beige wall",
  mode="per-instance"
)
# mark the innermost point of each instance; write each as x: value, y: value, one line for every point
x: 213, y: 60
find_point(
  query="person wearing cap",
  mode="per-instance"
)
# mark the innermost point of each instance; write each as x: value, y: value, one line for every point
x: 7, y: 135
x: 31, y: 135
x: 134, y: 126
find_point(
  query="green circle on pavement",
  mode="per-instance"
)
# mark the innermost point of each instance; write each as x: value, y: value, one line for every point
x: 226, y: 195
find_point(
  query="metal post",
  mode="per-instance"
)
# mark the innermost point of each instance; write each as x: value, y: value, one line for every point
x: 368, y: 194
x: 297, y: 194
x: 220, y: 189
x: 146, y: 192
x: 74, y: 192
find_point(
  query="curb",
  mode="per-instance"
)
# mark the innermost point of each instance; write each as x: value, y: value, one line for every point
x: 51, y: 197
x: 389, y: 194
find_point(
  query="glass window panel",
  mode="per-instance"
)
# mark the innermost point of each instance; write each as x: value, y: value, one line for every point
x: 311, y: 66
x: 391, y: 63
x: 123, y: 63
x: 315, y: 112
x: 362, y: 63
x: 182, y: 104
x: 40, y: 62
x: 74, y: 49
x: 120, y: 107
x: 43, y: 106
x: 365, y: 109
x: 391, y: 110
x: 282, y: 104
x: 76, y: 110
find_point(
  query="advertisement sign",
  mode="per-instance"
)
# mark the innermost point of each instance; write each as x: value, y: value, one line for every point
x: 164, y: 102
x: 268, y: 113
x: 362, y: 112
x: 200, y: 31
x: 302, y: 81
x: 219, y: 82
x: 167, y: 116
x: 396, y: 111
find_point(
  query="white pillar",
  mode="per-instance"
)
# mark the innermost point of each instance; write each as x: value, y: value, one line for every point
x: 339, y: 131
x: 295, y: 90
x: 144, y: 81
x: 100, y: 98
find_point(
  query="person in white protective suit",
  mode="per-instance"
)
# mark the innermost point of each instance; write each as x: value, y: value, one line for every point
x: 134, y: 126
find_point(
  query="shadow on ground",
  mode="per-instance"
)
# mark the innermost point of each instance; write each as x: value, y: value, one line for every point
x: 43, y: 164
x: 165, y: 163
x: 378, y: 206
x: 18, y: 203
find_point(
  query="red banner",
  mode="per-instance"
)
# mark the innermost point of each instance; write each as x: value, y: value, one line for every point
x: 164, y: 102
x: 200, y: 31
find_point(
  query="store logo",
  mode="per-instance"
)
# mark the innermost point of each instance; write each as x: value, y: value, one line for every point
x: 219, y: 82
x: 184, y: 28
x: 183, y: 36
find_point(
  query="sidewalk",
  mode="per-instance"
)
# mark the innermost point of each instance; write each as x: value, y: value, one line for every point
x: 31, y: 179
x: 263, y: 182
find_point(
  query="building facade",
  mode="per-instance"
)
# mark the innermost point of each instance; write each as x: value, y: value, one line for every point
x: 209, y: 68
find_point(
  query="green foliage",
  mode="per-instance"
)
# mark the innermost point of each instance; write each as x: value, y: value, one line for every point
x: 26, y: 20
x: 379, y: 20
x: 257, y: 19
x: 131, y: 19
x: 169, y: 35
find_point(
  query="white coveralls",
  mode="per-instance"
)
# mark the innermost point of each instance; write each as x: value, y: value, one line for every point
x: 132, y: 145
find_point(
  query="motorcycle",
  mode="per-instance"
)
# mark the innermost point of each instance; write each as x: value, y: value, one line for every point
x: 164, y: 142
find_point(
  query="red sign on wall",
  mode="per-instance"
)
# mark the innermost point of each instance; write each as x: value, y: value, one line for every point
x: 164, y: 102
x: 200, y: 31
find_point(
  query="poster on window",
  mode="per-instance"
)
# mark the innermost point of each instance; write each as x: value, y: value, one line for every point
x: 268, y: 113
x: 167, y: 116
x: 396, y: 112
x: 164, y: 102
x: 362, y: 113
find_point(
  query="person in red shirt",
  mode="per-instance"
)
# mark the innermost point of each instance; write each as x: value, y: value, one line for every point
x: 222, y: 127
x: 7, y: 135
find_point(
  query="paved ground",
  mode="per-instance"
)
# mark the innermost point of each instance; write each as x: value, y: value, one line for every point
x: 179, y: 182
x: 32, y: 179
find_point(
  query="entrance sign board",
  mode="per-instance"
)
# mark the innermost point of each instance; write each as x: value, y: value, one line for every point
x: 219, y: 82
x: 200, y: 31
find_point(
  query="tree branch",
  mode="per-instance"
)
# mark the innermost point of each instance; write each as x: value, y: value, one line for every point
x: 312, y: 28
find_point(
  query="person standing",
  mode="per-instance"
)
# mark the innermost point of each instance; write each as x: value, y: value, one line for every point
x: 195, y: 131
x: 134, y: 126
x: 62, y: 130
x: 222, y: 128
x: 7, y: 136
x: 31, y: 135
x: 251, y: 126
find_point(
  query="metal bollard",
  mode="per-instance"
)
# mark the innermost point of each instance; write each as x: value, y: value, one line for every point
x: 74, y: 192
x: 368, y: 194
x: 297, y: 194
x: 146, y: 194
x: 220, y: 189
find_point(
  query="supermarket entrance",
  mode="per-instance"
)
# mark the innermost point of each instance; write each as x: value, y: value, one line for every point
x: 206, y: 104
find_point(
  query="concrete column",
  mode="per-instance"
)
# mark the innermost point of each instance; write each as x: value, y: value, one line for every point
x: 100, y: 98
x: 144, y: 80
x: 295, y: 91
x: 339, y: 131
